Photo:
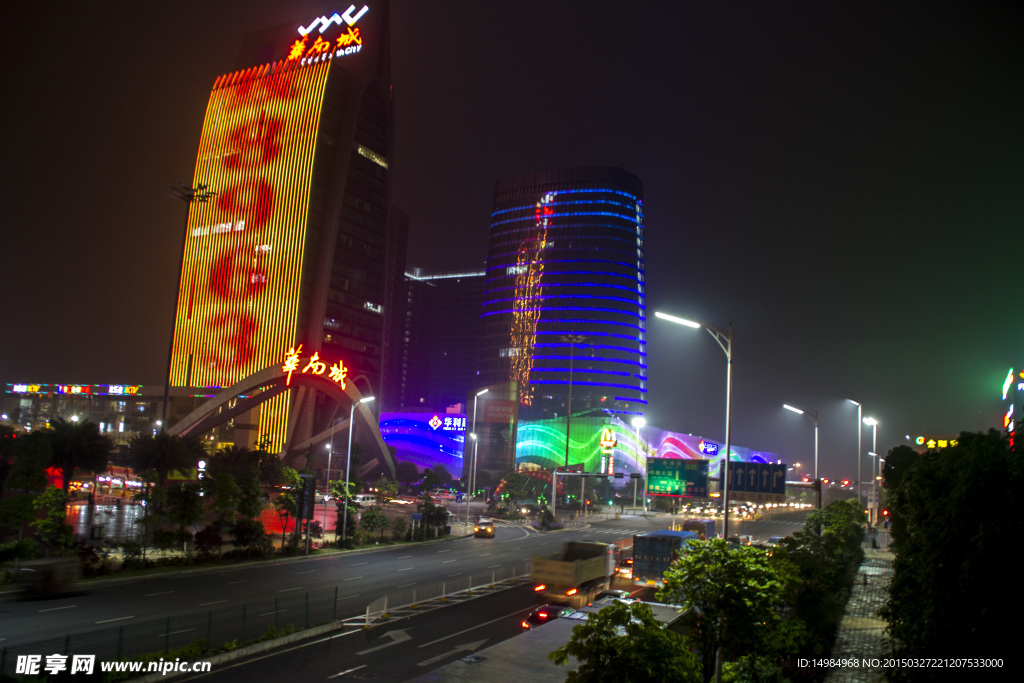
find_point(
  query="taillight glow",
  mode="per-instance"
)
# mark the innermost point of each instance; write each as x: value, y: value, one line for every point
x: 539, y: 588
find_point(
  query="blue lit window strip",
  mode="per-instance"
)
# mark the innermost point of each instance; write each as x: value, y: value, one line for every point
x: 560, y: 196
x: 586, y: 384
x: 622, y: 361
x: 561, y: 199
x: 552, y: 297
x: 628, y: 265
x: 582, y: 371
x: 631, y: 400
x: 570, y: 221
x: 588, y: 333
x: 628, y: 349
x: 549, y: 286
x: 577, y: 322
x: 509, y: 311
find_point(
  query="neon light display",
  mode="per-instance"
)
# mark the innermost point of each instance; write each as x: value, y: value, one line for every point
x: 238, y: 299
x: 417, y: 440
x: 566, y: 257
x: 76, y: 389
x: 542, y: 443
x: 293, y: 360
x: 348, y: 42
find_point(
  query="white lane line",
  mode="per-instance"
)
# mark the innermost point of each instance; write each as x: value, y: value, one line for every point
x: 348, y: 671
x: 54, y: 609
x: 403, y: 557
x: 406, y: 585
x: 174, y: 633
x: 484, y: 555
x: 455, y: 574
x: 267, y: 614
x: 493, y: 566
x: 310, y: 571
x: 444, y: 551
x: 407, y: 569
x: 473, y: 628
x: 215, y: 602
x: 449, y: 561
x: 354, y: 578
x: 150, y: 595
x: 107, y: 621
x: 349, y: 597
x: 285, y: 590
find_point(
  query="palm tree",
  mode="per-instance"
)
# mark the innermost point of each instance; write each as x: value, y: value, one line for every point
x: 77, y: 445
x: 164, y: 454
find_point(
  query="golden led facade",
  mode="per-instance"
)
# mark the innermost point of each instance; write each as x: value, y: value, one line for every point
x: 527, y: 299
x: 238, y: 298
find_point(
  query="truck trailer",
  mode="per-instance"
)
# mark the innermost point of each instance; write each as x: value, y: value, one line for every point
x: 655, y: 551
x: 574, y: 575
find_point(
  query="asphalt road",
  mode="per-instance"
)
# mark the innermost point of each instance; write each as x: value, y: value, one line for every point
x: 122, y: 618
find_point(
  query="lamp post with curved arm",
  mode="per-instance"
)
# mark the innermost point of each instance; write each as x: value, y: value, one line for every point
x: 813, y: 417
x: 348, y: 462
x: 725, y: 342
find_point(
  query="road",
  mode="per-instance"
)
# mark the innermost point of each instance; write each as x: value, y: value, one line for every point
x: 149, y: 614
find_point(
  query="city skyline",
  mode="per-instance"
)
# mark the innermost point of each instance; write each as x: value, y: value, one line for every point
x: 839, y: 182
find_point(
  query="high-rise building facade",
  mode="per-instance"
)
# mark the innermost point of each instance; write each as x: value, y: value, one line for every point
x: 291, y: 251
x: 442, y: 336
x: 563, y: 308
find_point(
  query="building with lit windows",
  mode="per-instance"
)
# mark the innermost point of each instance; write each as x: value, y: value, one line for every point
x: 564, y: 292
x: 291, y: 251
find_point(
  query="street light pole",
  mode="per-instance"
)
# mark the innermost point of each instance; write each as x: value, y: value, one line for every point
x: 813, y: 417
x: 348, y: 464
x: 873, y: 423
x: 472, y: 465
x: 725, y: 342
x: 860, y: 412
x: 639, y: 421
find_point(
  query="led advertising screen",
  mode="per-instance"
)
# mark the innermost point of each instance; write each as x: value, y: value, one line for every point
x: 426, y: 439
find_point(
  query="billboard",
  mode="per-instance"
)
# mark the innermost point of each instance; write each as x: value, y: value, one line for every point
x: 426, y: 439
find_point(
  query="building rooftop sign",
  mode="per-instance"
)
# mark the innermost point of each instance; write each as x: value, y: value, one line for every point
x: 348, y: 41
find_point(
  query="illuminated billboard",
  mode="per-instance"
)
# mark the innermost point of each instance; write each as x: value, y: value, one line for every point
x: 677, y: 477
x: 426, y: 439
x: 238, y: 297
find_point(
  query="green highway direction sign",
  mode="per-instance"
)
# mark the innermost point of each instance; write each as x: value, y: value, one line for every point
x: 677, y: 477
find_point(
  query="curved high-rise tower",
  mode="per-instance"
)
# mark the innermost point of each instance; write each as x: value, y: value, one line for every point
x: 563, y: 301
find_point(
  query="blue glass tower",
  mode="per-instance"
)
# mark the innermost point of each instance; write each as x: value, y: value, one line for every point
x: 564, y: 291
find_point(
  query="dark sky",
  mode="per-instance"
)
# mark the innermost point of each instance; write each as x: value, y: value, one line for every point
x: 842, y: 181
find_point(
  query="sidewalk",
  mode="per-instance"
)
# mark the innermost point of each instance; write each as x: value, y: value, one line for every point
x: 861, y: 632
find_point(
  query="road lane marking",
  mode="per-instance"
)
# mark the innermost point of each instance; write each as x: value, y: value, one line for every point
x: 174, y: 633
x: 407, y: 569
x: 406, y: 585
x: 54, y: 609
x: 285, y: 590
x: 444, y: 551
x: 403, y: 557
x: 449, y: 561
x: 493, y: 566
x: 354, y: 578
x: 150, y: 595
x: 310, y: 571
x: 348, y: 671
x: 267, y: 614
x: 455, y: 574
x: 215, y: 602
x: 484, y: 555
x: 107, y: 621
x: 473, y: 628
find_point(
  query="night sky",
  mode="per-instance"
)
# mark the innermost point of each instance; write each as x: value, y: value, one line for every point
x: 842, y: 181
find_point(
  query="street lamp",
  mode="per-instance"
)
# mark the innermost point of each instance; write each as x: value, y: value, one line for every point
x: 873, y: 423
x: 860, y: 412
x: 639, y: 422
x: 813, y: 417
x: 472, y: 468
x: 348, y: 463
x: 725, y: 342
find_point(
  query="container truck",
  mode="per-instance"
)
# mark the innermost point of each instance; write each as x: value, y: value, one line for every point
x: 655, y: 551
x: 574, y: 575
x: 705, y: 528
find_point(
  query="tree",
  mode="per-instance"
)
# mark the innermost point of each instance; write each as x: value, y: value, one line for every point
x: 897, y: 465
x: 374, y: 519
x: 54, y: 534
x: 77, y: 445
x: 386, y: 491
x: 625, y: 643
x: 436, y: 476
x: 226, y: 496
x: 732, y: 593
x: 407, y: 472
x: 31, y: 456
x: 184, y: 506
x: 951, y: 573
x: 163, y: 454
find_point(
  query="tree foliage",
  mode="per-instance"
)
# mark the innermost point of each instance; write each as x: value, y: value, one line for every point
x: 732, y: 592
x: 955, y: 514
x: 435, y: 476
x: 163, y: 454
x: 374, y: 519
x: 77, y: 445
x: 625, y: 643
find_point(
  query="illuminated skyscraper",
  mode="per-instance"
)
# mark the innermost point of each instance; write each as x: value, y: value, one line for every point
x: 564, y: 291
x: 292, y: 250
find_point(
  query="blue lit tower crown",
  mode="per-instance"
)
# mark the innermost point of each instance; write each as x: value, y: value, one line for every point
x: 565, y: 287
